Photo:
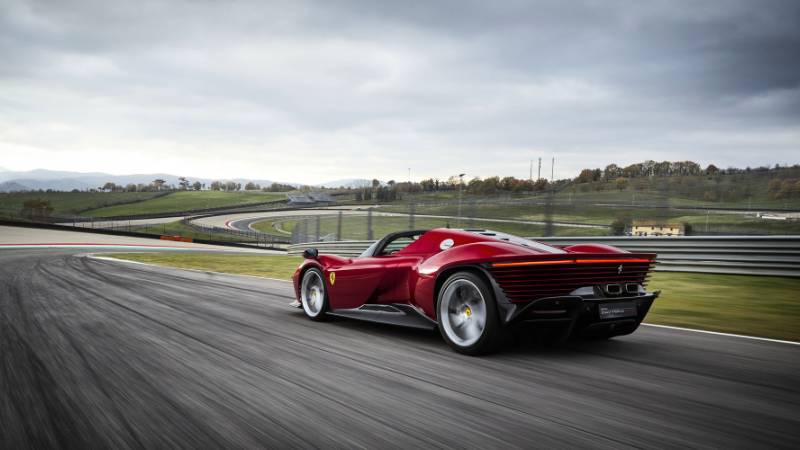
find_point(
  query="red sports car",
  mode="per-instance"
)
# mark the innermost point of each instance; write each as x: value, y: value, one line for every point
x: 480, y: 287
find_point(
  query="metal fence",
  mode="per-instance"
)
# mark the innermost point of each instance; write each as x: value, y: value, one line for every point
x: 752, y: 255
x: 248, y: 234
x: 337, y: 227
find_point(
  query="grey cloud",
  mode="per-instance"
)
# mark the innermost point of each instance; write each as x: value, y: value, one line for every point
x: 381, y: 83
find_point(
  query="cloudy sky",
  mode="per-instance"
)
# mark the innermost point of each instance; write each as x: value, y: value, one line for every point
x: 312, y: 91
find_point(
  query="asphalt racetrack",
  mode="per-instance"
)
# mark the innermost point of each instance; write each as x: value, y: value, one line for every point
x: 104, y: 354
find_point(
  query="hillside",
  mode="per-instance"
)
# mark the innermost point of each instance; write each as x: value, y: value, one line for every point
x: 186, y: 201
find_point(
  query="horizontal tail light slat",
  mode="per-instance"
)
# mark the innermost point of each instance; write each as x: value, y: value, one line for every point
x: 532, y: 282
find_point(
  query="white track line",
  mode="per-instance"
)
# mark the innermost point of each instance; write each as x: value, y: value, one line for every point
x: 722, y: 334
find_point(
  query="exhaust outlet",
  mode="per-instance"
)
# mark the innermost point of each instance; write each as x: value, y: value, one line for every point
x: 632, y: 288
x: 614, y: 289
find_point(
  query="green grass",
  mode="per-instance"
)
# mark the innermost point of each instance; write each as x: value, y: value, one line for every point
x: 750, y: 305
x: 77, y: 202
x: 754, y: 306
x: 187, y: 201
x: 269, y: 266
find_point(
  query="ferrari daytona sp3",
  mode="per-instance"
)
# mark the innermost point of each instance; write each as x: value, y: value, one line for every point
x: 479, y: 287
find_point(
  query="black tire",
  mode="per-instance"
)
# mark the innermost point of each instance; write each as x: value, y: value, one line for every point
x: 459, y: 309
x: 314, y: 295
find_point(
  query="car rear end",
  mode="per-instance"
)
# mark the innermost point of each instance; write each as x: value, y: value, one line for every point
x: 575, y: 295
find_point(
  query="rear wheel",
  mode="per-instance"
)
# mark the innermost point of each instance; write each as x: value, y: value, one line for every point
x: 468, y: 318
x: 314, y: 296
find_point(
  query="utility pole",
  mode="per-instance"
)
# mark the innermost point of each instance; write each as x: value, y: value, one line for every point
x: 552, y: 170
x: 460, y: 188
x: 540, y: 169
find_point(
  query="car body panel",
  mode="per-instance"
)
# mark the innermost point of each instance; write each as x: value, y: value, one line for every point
x: 521, y: 272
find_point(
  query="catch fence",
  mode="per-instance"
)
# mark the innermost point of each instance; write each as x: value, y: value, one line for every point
x: 752, y: 255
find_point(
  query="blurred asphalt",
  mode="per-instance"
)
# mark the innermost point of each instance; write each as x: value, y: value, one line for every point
x: 102, y: 354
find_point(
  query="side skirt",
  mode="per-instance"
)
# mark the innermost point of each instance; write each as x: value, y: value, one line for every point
x: 395, y: 314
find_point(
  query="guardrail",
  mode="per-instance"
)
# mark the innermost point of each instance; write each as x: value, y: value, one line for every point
x: 741, y: 255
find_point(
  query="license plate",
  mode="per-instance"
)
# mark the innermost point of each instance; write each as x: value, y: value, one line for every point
x: 614, y: 310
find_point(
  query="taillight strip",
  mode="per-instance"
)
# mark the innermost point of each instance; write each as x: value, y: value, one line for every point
x: 570, y: 261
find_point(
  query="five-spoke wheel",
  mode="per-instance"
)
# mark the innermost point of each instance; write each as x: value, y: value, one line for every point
x: 468, y: 316
x: 313, y: 295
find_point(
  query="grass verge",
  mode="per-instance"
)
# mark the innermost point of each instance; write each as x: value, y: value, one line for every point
x: 749, y: 305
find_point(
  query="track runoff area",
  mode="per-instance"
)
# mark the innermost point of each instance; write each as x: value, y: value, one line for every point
x: 104, y: 353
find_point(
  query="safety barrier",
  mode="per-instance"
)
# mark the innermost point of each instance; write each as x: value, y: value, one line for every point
x: 742, y: 255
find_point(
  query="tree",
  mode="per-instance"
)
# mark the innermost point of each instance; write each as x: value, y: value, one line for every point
x: 622, y: 183
x: 359, y: 197
x: 711, y: 169
x: 184, y: 183
x: 197, y: 186
x: 623, y: 221
x: 585, y: 176
x: 250, y: 186
x: 37, y: 205
x: 611, y: 172
x: 216, y: 185
x: 130, y: 187
x: 540, y: 184
x: 108, y: 186
x: 375, y: 183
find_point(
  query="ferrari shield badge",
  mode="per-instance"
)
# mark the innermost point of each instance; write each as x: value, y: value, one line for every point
x: 619, y: 270
x: 333, y: 277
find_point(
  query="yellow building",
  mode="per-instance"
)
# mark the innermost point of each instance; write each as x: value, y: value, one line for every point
x: 658, y: 229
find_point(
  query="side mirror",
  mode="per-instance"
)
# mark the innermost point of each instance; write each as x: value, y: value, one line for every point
x: 310, y: 253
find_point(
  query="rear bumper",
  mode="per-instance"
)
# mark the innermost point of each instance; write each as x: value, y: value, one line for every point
x: 576, y: 316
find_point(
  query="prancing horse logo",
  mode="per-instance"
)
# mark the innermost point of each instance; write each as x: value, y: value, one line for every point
x: 333, y: 276
x: 619, y: 269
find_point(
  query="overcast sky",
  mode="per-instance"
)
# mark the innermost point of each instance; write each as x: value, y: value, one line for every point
x: 308, y: 91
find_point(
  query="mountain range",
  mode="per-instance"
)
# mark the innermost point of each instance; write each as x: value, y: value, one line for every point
x: 11, y: 180
x: 67, y: 181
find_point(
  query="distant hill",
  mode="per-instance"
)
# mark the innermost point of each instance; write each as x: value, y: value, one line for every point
x: 13, y: 186
x: 3, y: 169
x: 348, y: 182
x: 67, y: 181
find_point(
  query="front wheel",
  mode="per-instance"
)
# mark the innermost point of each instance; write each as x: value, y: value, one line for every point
x: 313, y: 295
x: 468, y: 318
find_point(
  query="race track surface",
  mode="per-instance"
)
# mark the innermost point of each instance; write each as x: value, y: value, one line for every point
x: 102, y: 354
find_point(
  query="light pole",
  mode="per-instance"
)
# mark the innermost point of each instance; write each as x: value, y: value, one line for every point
x: 460, y: 188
